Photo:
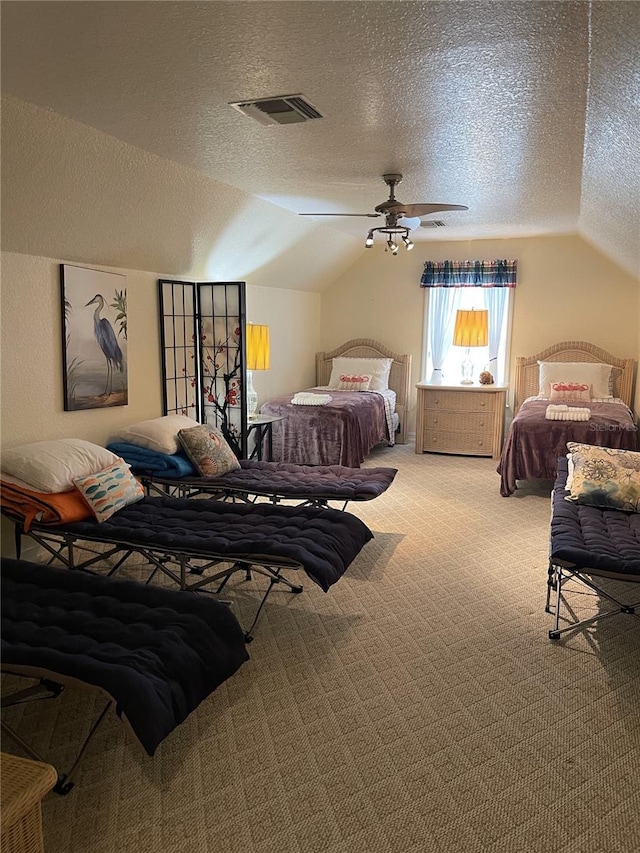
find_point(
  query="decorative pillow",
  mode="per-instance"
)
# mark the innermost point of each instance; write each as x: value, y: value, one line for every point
x: 377, y: 368
x: 207, y: 448
x: 581, y: 372
x: 354, y: 382
x: 569, y: 392
x: 109, y: 490
x: 605, y: 477
x: 159, y: 434
x: 52, y: 466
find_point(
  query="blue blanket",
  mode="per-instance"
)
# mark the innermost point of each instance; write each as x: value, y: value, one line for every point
x: 152, y: 462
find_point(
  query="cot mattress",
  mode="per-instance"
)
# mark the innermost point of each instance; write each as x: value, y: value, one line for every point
x: 585, y: 537
x: 156, y: 651
x: 287, y: 480
x: 321, y: 541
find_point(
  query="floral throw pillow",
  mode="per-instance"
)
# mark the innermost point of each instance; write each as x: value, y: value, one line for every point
x: 605, y: 477
x: 109, y: 490
x: 569, y: 392
x: 354, y: 382
x: 208, y: 450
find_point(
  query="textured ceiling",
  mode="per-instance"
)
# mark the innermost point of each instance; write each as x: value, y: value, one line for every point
x: 483, y: 104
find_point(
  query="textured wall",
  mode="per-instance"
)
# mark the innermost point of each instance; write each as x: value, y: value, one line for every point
x: 611, y: 173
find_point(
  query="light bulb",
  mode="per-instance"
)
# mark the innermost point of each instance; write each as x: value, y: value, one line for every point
x: 369, y: 241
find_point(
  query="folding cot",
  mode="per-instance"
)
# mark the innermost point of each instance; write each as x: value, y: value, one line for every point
x: 586, y: 543
x: 309, y: 485
x: 154, y: 653
x: 182, y: 538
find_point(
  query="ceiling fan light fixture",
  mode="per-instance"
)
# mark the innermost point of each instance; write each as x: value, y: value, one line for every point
x: 408, y: 243
x: 369, y: 241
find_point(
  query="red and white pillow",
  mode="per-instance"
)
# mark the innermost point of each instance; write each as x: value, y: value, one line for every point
x: 354, y: 382
x: 569, y: 392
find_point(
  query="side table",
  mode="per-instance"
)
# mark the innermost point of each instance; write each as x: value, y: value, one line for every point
x: 24, y: 783
x: 262, y: 426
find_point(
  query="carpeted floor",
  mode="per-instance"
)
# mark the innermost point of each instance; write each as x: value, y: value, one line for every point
x: 418, y: 706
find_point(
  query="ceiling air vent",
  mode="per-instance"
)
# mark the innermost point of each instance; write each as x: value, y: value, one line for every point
x: 432, y: 223
x: 283, y: 109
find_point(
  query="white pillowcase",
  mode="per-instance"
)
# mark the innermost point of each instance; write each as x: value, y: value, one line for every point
x: 596, y: 375
x: 159, y: 434
x: 52, y: 466
x: 377, y: 368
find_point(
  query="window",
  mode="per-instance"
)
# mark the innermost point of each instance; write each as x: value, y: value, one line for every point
x: 466, y: 285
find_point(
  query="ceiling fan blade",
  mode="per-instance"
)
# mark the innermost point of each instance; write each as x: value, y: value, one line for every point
x: 409, y: 222
x: 411, y: 210
x: 370, y: 215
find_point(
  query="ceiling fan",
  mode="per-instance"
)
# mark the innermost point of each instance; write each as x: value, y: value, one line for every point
x: 400, y: 218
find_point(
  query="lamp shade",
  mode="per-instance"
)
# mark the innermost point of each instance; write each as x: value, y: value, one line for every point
x: 258, y: 351
x: 471, y: 329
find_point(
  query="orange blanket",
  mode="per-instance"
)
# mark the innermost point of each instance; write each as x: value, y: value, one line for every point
x: 55, y: 508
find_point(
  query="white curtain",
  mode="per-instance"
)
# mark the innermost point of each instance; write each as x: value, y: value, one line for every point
x: 495, y: 299
x: 443, y: 304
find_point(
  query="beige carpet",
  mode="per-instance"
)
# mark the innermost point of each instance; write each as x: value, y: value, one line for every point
x: 418, y: 706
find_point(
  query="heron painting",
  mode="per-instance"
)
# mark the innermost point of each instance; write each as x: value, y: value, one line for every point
x: 94, y: 318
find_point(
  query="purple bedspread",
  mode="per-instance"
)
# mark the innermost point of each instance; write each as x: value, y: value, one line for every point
x: 341, y: 433
x: 534, y: 443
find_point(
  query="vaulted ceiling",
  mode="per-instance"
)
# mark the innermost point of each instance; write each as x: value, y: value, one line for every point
x: 525, y: 112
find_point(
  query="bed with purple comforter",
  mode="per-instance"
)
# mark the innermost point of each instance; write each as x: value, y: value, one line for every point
x: 343, y: 432
x: 534, y: 444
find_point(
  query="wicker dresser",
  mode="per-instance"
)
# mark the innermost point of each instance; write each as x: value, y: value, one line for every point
x: 24, y: 784
x: 460, y: 419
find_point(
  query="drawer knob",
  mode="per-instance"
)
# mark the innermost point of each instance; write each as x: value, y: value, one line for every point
x: 483, y: 403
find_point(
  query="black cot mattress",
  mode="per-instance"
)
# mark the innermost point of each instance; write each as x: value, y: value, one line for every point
x: 585, y: 537
x: 291, y: 481
x: 157, y: 652
x: 323, y: 542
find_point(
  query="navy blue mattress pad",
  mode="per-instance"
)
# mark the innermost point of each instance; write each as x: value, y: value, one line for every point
x: 323, y: 542
x: 157, y: 652
x: 287, y: 480
x: 583, y: 537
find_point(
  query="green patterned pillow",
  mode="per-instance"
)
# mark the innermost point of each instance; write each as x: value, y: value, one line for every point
x: 605, y: 477
x: 208, y: 450
x: 109, y: 490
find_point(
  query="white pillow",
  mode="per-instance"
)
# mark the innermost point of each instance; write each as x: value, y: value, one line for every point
x: 377, y: 368
x: 159, y: 434
x: 52, y: 466
x: 596, y: 375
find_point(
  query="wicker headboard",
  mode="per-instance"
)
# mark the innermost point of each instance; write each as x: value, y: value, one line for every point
x: 526, y: 375
x: 399, y: 377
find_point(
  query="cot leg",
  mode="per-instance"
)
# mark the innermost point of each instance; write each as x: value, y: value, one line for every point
x: 64, y: 783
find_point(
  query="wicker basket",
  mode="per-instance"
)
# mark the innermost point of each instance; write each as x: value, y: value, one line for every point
x: 23, y: 785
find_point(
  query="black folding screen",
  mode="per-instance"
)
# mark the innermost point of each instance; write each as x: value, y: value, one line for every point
x: 202, y: 336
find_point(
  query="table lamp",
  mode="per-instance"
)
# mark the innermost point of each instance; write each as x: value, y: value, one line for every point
x: 471, y: 330
x: 258, y: 352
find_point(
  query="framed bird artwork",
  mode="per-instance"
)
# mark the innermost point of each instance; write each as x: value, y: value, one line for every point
x: 94, y: 338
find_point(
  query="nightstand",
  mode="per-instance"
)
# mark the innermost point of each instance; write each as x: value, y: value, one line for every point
x: 464, y: 419
x: 262, y: 425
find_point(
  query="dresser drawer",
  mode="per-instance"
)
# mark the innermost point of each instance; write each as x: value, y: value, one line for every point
x: 477, y: 444
x: 478, y: 422
x: 460, y: 401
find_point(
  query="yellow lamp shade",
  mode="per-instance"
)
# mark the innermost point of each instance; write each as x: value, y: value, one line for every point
x: 258, y: 351
x: 471, y: 329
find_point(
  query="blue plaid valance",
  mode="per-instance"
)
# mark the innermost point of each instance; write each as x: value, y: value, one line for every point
x: 469, y: 274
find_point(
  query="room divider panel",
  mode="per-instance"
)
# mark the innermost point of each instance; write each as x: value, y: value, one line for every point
x: 202, y: 338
